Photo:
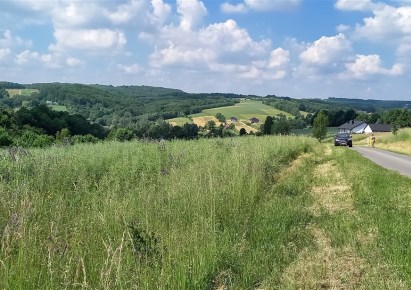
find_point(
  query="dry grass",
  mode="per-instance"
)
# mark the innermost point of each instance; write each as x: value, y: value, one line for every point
x: 325, y: 268
x: 202, y: 121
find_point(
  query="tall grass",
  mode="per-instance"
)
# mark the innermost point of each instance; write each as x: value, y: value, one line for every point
x: 174, y: 215
x: 401, y: 142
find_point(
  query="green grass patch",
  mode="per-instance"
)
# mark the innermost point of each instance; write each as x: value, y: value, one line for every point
x: 21, y: 92
x: 377, y: 227
x: 243, y: 111
x: 59, y: 108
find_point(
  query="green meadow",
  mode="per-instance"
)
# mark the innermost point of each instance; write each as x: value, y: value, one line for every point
x: 277, y: 212
x: 243, y: 111
x: 21, y: 92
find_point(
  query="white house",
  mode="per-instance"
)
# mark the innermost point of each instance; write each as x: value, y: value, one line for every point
x: 353, y: 127
x: 373, y: 128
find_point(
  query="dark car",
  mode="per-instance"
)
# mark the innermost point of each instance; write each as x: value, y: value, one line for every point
x: 343, y: 139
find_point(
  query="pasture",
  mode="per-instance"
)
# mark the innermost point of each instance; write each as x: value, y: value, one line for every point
x: 243, y: 111
x: 21, y: 92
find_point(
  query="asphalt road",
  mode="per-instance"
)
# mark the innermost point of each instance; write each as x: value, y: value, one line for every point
x: 386, y: 159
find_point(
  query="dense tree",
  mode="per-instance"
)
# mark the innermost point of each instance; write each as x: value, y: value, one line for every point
x: 266, y: 127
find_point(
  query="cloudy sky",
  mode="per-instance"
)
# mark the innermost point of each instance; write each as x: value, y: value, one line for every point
x: 296, y: 48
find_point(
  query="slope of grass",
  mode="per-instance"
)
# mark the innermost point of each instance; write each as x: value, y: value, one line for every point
x: 400, y: 143
x: 243, y: 111
x: 175, y: 215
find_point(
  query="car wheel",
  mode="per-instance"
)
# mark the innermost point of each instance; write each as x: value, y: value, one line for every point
x: 349, y: 145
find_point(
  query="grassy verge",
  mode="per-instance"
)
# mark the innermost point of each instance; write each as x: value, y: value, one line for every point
x: 400, y: 143
x: 176, y: 215
x: 360, y: 227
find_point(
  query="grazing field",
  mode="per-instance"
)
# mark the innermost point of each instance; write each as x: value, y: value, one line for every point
x: 21, y: 92
x: 243, y: 111
x: 59, y: 108
x: 241, y: 213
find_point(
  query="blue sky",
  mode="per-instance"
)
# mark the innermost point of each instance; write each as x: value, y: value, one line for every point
x: 296, y: 48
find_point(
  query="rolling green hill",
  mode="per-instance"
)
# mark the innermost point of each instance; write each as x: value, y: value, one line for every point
x: 243, y: 111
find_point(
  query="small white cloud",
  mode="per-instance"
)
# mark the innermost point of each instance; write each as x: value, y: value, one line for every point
x: 266, y: 5
x: 343, y: 28
x: 124, y: 13
x: 233, y: 8
x: 259, y: 5
x: 356, y: 5
x: 26, y: 57
x: 191, y: 13
x: 86, y: 39
x: 4, y: 53
x: 130, y: 69
x: 366, y: 65
x: 73, y: 62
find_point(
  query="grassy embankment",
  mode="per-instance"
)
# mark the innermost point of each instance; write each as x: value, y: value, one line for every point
x: 243, y: 111
x: 206, y: 214
x: 400, y: 143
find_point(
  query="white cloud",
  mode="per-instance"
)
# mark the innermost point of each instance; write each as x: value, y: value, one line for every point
x: 326, y: 50
x: 130, y: 69
x: 233, y: 8
x: 126, y: 12
x: 73, y: 62
x: 26, y: 57
x: 356, y: 5
x: 264, y: 5
x: 4, y: 53
x: 220, y: 43
x: 366, y: 65
x: 278, y: 58
x: 191, y: 13
x: 85, y: 39
x: 259, y: 5
x: 161, y: 11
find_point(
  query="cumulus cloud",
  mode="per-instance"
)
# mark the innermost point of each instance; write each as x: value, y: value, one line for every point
x: 278, y: 58
x: 192, y: 13
x: 222, y: 48
x: 326, y: 50
x: 84, y: 39
x: 367, y: 65
x: 161, y: 11
x: 259, y: 5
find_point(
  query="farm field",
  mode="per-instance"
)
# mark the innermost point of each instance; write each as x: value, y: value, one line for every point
x: 22, y: 92
x: 243, y: 111
x: 203, y: 214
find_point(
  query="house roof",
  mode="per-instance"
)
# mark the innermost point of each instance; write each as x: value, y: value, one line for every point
x: 380, y: 127
x: 351, y: 124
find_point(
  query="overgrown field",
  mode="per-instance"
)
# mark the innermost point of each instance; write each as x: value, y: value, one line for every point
x: 242, y: 213
x: 174, y: 215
